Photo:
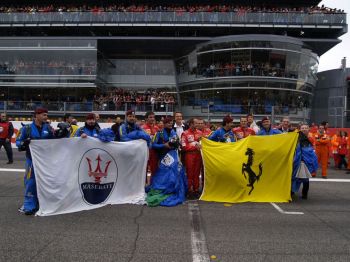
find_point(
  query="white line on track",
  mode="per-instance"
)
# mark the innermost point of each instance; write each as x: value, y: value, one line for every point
x: 285, y: 212
x: 330, y: 180
x: 11, y: 170
x: 198, y: 242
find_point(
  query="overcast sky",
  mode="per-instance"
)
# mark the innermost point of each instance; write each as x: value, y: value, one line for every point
x: 332, y: 59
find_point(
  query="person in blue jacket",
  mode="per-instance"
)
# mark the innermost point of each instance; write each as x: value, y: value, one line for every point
x: 165, y: 139
x: 91, y: 128
x: 129, y: 130
x: 224, y: 134
x: 304, y: 153
x: 38, y: 129
x: 266, y: 129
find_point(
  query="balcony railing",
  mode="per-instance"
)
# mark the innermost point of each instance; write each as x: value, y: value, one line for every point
x: 276, y: 112
x: 63, y: 107
x: 74, y: 18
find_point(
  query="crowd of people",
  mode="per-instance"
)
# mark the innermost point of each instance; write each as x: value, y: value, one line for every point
x: 176, y: 134
x: 49, y: 67
x: 140, y: 100
x: 246, y: 69
x: 165, y: 8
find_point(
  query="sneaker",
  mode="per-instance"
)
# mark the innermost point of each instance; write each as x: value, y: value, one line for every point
x: 324, y: 177
x: 21, y: 209
x: 9, y: 162
x: 304, y: 197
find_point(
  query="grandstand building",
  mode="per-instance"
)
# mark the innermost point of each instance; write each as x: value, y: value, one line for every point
x: 213, y: 57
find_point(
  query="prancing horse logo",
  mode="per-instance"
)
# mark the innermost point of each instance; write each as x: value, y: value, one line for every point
x: 247, y: 168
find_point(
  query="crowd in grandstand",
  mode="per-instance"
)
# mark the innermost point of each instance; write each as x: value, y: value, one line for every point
x: 242, y: 69
x: 167, y: 8
x: 50, y: 67
x: 116, y: 99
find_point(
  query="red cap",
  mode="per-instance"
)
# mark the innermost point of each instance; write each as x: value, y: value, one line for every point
x: 130, y: 112
x: 90, y: 116
x: 40, y: 110
x: 265, y: 119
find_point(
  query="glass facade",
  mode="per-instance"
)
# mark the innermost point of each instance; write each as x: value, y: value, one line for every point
x: 43, y: 61
x: 247, y: 76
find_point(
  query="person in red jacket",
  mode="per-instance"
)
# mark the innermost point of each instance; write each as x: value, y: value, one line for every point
x: 322, y: 142
x: 151, y: 129
x: 243, y: 130
x: 6, y: 132
x: 342, y: 149
x: 203, y: 128
x: 193, y: 159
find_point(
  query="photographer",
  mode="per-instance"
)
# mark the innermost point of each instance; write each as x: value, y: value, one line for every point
x: 165, y: 139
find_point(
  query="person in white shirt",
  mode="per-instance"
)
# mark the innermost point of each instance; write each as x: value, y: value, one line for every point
x: 252, y: 124
x: 179, y: 126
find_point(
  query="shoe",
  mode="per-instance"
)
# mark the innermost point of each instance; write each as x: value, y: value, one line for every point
x: 304, y: 197
x: 196, y: 195
x: 9, y: 162
x: 347, y: 172
x: 324, y: 177
x: 30, y: 212
x: 190, y: 195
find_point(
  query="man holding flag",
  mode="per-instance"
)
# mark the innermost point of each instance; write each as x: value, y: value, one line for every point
x: 224, y: 134
x: 267, y: 129
x: 38, y: 129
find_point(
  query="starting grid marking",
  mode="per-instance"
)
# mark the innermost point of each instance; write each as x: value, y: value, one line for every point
x: 286, y: 212
x: 11, y: 170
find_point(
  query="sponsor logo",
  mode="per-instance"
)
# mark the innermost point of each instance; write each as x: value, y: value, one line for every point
x: 98, y: 174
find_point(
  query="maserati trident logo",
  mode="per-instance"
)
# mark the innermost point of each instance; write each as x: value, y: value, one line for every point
x: 98, y: 173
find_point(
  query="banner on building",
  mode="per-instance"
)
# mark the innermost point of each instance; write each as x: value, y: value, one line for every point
x: 255, y: 169
x: 75, y: 174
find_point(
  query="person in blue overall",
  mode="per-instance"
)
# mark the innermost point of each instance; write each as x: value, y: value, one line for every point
x: 266, y: 129
x: 165, y: 139
x: 129, y: 130
x: 38, y: 129
x: 224, y: 134
x: 91, y: 128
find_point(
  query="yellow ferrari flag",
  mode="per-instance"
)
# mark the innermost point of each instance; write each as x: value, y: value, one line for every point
x: 255, y: 169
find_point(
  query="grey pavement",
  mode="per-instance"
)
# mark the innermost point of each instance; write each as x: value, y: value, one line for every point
x: 239, y: 232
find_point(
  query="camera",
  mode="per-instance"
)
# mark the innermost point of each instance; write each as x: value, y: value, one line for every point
x: 63, y: 130
x: 24, y: 145
x: 174, y: 142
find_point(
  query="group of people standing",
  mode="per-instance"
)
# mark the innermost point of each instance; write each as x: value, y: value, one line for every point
x: 175, y: 134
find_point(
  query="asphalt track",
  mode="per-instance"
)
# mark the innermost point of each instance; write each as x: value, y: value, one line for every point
x: 317, y: 229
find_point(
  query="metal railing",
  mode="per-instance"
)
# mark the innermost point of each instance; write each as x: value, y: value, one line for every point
x: 274, y: 111
x: 29, y: 106
x: 290, y: 18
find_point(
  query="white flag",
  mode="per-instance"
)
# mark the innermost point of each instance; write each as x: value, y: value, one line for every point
x: 74, y: 174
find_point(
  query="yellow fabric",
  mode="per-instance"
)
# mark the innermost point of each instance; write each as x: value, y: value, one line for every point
x: 73, y: 130
x: 223, y: 163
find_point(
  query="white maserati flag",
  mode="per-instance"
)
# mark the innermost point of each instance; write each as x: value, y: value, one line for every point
x: 75, y: 174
